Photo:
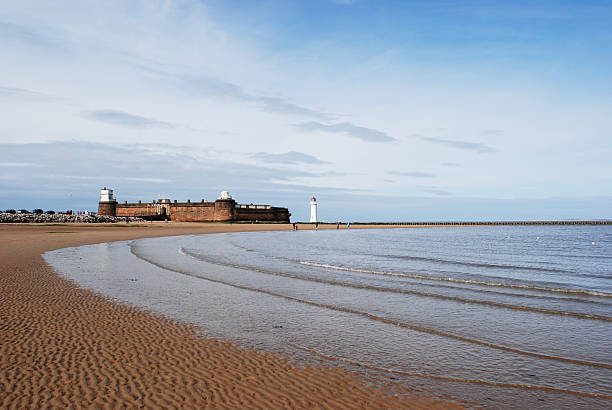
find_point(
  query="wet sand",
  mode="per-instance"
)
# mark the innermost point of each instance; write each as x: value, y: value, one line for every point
x: 63, y: 346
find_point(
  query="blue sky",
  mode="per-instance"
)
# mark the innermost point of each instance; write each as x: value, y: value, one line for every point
x: 385, y: 110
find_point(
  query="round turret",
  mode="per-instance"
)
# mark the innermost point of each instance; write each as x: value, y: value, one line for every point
x: 108, y: 203
x: 225, y: 207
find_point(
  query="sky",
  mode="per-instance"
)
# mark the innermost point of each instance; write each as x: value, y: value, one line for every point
x: 384, y: 110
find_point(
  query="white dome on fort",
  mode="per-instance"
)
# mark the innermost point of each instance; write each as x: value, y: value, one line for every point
x: 225, y: 195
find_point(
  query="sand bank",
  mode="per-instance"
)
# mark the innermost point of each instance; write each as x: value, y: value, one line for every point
x: 62, y: 346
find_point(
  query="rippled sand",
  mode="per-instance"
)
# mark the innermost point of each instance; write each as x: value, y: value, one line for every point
x: 64, y: 346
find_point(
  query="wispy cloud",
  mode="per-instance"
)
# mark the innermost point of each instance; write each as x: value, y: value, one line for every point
x: 415, y: 174
x: 201, y: 84
x: 39, y: 36
x: 126, y: 120
x: 278, y: 105
x: 18, y: 164
x: 208, y: 86
x: 466, y: 145
x: 435, y: 191
x: 12, y: 92
x: 155, y: 180
x: 103, y: 177
x: 291, y: 157
x: 450, y: 164
x: 492, y: 132
x: 76, y: 163
x: 347, y: 128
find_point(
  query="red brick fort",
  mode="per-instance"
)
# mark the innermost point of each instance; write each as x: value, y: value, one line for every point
x: 224, y: 209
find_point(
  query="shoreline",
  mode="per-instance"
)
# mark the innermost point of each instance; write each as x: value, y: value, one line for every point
x: 64, y: 345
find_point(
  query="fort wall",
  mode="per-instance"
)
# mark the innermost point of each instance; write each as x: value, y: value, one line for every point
x: 270, y: 214
x: 222, y: 210
x: 192, y: 212
x: 143, y: 210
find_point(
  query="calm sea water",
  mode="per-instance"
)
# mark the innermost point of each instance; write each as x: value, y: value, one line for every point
x: 499, y: 317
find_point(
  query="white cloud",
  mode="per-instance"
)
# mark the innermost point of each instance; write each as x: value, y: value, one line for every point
x: 126, y: 120
x: 467, y: 145
x: 352, y: 130
x: 415, y: 174
x: 18, y: 164
x: 291, y: 157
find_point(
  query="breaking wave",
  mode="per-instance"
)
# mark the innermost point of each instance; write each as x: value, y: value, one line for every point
x: 463, y: 281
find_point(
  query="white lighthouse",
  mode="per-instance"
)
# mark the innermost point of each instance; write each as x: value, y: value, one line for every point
x: 313, y: 210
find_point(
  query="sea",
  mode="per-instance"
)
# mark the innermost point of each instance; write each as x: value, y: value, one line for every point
x: 487, y: 316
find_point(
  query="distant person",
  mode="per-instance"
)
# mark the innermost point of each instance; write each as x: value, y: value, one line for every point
x: 337, y: 225
x: 294, y: 226
x: 316, y: 226
x: 348, y: 225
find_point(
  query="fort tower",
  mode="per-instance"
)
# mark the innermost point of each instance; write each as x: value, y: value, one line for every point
x: 108, y: 204
x: 225, y: 207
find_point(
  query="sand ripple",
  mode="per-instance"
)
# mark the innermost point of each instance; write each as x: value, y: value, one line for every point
x: 62, y: 346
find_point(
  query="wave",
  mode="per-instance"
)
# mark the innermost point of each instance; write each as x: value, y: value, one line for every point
x: 474, y: 264
x: 565, y: 255
x: 446, y: 378
x: 197, y: 256
x: 375, y: 317
x: 427, y: 259
x: 463, y: 281
x: 553, y: 296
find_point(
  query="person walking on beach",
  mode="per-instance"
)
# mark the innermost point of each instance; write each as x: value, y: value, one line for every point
x: 337, y: 225
x: 316, y: 226
x: 348, y: 225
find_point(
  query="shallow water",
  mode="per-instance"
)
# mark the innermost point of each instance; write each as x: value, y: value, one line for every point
x: 491, y: 315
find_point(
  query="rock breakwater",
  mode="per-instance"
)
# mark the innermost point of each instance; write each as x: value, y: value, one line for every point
x: 63, y: 218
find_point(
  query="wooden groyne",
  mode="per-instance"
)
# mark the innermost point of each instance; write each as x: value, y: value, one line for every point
x: 488, y: 223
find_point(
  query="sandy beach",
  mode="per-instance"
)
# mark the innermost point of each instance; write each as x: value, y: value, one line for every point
x: 63, y: 346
